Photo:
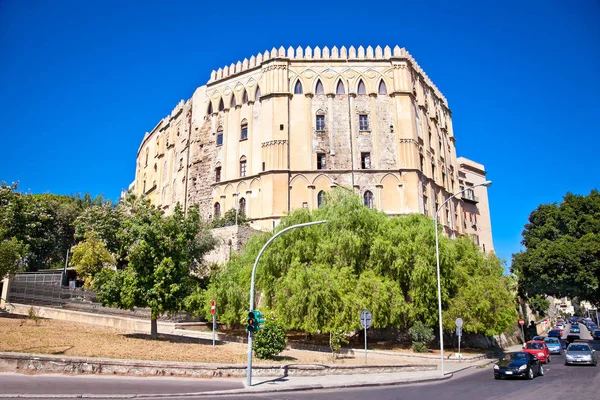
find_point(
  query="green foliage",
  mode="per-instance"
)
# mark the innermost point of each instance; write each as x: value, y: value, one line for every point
x: 539, y: 305
x: 270, y: 340
x: 12, y: 254
x: 562, y: 256
x: 318, y: 278
x: 229, y: 219
x: 90, y: 256
x: 337, y: 338
x: 421, y: 335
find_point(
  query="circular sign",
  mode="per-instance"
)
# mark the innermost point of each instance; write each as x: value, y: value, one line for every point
x: 459, y: 322
x: 521, y: 322
x: 365, y: 319
x: 212, y: 307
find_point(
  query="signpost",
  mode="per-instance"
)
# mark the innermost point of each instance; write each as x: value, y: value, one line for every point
x: 212, y: 311
x: 522, y: 322
x: 365, y: 322
x: 459, y: 324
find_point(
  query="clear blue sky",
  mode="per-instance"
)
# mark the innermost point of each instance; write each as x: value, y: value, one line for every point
x: 82, y: 81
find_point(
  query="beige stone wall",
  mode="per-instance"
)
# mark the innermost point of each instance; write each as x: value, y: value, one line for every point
x: 409, y: 139
x: 230, y: 239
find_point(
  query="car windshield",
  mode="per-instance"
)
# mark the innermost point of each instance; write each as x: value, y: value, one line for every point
x: 554, y: 333
x: 535, y: 346
x: 551, y: 341
x: 516, y: 356
x: 579, y: 347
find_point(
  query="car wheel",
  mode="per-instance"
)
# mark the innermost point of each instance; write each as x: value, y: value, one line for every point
x: 497, y: 377
x: 541, y: 373
x: 530, y: 373
x: 548, y: 359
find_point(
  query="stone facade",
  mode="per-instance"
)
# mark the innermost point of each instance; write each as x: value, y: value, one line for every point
x: 269, y: 134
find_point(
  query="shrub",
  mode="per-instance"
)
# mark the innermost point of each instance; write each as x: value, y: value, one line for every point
x: 420, y: 334
x: 270, y: 340
x: 336, y: 339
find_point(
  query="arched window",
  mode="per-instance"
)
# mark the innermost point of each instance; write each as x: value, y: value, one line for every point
x: 210, y: 109
x: 361, y: 88
x: 218, y: 173
x: 382, y: 88
x: 217, y: 210
x: 220, y: 136
x: 144, y: 185
x: 257, y: 95
x: 244, y: 97
x: 221, y: 105
x: 298, y: 87
x: 319, y: 88
x: 368, y: 199
x: 243, y: 166
x: 147, y: 151
x: 244, y: 130
x: 320, y: 198
x: 340, y: 88
x: 242, y: 207
x: 233, y: 103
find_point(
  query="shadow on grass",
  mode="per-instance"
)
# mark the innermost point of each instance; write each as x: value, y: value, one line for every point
x: 284, y: 358
x: 163, y: 337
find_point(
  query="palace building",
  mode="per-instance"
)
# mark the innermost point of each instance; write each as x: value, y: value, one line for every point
x: 273, y: 133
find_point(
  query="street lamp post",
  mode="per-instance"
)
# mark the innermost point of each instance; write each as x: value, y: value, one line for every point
x: 437, y: 260
x: 249, y: 370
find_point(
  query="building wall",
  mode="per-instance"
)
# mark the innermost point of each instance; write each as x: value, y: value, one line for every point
x: 411, y: 167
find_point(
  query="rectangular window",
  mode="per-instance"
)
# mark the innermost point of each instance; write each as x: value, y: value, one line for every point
x: 218, y: 174
x: 365, y: 160
x: 422, y: 162
x: 363, y: 122
x: 220, y: 139
x: 244, y: 134
x: 425, y: 211
x: 263, y: 165
x: 321, y: 161
x: 433, y: 171
x: 320, y: 122
x: 243, y: 168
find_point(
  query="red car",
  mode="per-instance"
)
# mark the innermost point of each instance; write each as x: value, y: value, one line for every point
x: 539, y: 349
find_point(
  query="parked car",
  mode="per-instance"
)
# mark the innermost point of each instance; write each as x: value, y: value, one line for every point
x: 580, y: 353
x: 596, y: 334
x: 519, y: 364
x: 553, y: 345
x: 575, y: 329
x: 539, y: 349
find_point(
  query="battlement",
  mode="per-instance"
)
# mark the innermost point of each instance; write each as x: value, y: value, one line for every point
x: 325, y: 53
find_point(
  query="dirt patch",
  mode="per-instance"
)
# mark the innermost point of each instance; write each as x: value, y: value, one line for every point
x: 25, y: 335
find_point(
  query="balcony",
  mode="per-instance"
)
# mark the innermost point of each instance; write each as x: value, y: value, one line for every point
x: 469, y: 196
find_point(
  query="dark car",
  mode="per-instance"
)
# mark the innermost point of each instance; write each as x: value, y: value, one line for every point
x: 519, y: 364
x: 571, y: 338
x: 575, y: 329
x: 596, y: 334
x: 555, y: 333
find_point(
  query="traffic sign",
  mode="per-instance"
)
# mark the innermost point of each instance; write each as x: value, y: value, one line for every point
x: 521, y: 322
x: 365, y: 319
x: 212, y: 307
x: 459, y: 322
x: 458, y: 331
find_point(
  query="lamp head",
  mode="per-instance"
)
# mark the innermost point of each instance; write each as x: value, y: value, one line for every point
x: 487, y: 183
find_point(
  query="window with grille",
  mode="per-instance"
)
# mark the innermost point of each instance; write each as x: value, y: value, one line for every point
x: 321, y: 163
x: 365, y: 160
x: 363, y: 122
x: 320, y: 122
x: 218, y: 174
x: 243, y: 167
x: 244, y: 132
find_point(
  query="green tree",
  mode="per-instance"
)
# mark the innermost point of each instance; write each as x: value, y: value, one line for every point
x: 90, y: 256
x: 229, y: 218
x: 12, y: 253
x: 539, y: 305
x: 562, y: 250
x: 270, y: 340
x: 163, y: 252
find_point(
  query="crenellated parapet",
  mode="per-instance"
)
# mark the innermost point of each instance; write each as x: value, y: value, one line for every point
x: 334, y: 54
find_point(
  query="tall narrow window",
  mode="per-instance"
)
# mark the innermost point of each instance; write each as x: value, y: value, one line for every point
x: 298, y: 87
x: 365, y: 160
x: 217, y: 210
x: 233, y: 102
x: 210, y: 109
x: 321, y: 161
x: 244, y: 132
x: 382, y: 88
x: 218, y: 174
x: 258, y: 94
x: 422, y: 160
x: 244, y: 97
x: 147, y: 152
x: 220, y: 136
x: 417, y: 119
x: 363, y: 122
x: 368, y: 199
x: 320, y: 122
x: 320, y: 198
x: 361, y: 88
x: 221, y: 105
x: 243, y: 166
x: 144, y: 186
x: 433, y: 171
x: 340, y: 88
x: 319, y: 88
x: 242, y: 208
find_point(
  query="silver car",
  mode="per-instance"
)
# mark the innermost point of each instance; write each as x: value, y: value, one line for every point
x: 580, y: 353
